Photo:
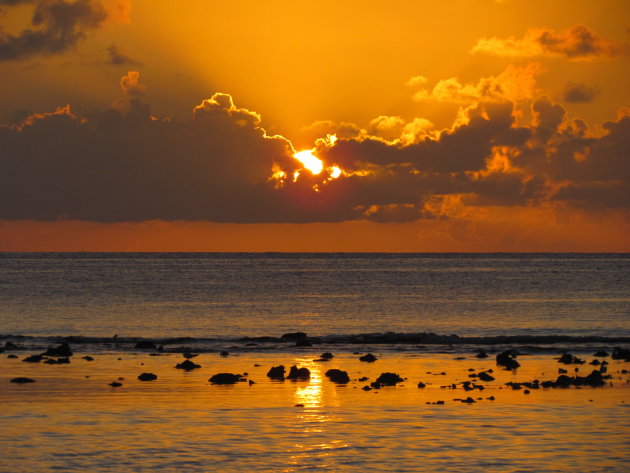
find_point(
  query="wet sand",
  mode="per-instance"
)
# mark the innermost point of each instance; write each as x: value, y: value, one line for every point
x: 70, y: 419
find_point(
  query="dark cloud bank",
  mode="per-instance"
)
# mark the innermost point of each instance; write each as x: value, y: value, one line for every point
x: 124, y: 164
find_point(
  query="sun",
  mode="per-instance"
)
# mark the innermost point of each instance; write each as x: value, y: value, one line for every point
x: 310, y: 161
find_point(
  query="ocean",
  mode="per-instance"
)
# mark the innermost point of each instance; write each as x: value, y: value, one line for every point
x: 210, y: 295
x: 427, y: 317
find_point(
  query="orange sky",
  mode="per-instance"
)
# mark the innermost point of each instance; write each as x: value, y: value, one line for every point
x: 461, y: 125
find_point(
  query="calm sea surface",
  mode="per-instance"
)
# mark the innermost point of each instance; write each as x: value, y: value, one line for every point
x: 233, y: 295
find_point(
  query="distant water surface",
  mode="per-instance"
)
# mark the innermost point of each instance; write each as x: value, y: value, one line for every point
x: 232, y: 295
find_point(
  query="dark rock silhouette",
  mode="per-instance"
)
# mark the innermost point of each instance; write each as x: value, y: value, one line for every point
x: 421, y: 385
x: 568, y: 359
x: 482, y: 354
x: 369, y: 358
x: 299, y: 374
x: 507, y: 360
x: 595, y: 379
x: 327, y: 355
x: 294, y: 336
x: 338, y: 376
x: 187, y: 365
x: 484, y: 376
x: 22, y: 380
x: 387, y: 379
x: 601, y: 353
x: 621, y: 354
x: 58, y: 361
x: 12, y: 356
x: 62, y: 350
x: 226, y: 378
x: 224, y: 354
x: 87, y: 358
x: 33, y: 359
x: 115, y: 384
x: 145, y: 345
x: 188, y: 355
x: 147, y: 377
x: 276, y: 372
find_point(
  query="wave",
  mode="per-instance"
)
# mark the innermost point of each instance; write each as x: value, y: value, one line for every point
x: 300, y: 339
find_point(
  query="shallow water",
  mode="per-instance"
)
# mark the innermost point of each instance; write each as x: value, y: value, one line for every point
x: 67, y: 422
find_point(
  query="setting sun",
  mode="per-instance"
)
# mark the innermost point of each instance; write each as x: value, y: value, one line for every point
x: 310, y: 161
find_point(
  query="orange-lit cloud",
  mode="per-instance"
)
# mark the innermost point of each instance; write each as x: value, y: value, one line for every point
x: 578, y: 43
x: 515, y: 83
x: 58, y: 26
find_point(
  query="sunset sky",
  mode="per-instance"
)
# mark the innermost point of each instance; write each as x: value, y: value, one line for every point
x: 199, y: 125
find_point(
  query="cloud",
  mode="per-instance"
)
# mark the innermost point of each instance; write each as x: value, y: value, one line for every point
x: 220, y: 165
x: 58, y: 26
x: 118, y: 58
x: 579, y: 93
x: 515, y: 83
x: 577, y: 43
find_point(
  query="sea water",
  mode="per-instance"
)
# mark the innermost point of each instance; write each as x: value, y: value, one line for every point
x: 71, y: 420
x: 232, y: 295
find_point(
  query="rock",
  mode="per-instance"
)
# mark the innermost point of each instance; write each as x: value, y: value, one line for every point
x: 294, y: 336
x: 563, y: 381
x: 33, y: 359
x: 276, y: 372
x: 251, y: 382
x: 224, y: 354
x: 62, y: 350
x: 366, y: 388
x: 482, y: 354
x: 226, y: 378
x: 387, y: 379
x: 369, y: 358
x: 327, y: 356
x: 12, y: 356
x: 621, y: 354
x: 421, y: 385
x: 22, y: 380
x: 507, y: 360
x: 601, y: 353
x: 484, y: 376
x: 88, y: 358
x: 58, y: 361
x: 147, y: 377
x: 363, y: 378
x: 299, y: 374
x: 338, y: 376
x: 115, y: 384
x: 146, y: 345
x: 187, y: 365
x: 188, y: 355
x: 468, y: 400
x: 568, y: 359
x: 10, y: 346
x: 595, y: 379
